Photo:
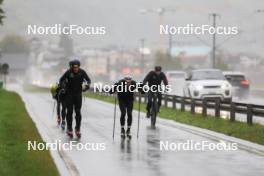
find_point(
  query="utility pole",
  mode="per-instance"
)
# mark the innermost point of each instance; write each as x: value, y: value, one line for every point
x: 214, y: 15
x: 161, y: 12
x: 170, y: 45
x: 142, y: 54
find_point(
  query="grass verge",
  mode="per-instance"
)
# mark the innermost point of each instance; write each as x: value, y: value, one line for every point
x: 254, y: 133
x: 16, y: 128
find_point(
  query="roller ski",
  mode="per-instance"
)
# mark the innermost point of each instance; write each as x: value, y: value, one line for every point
x: 128, y: 134
x: 123, y: 135
x: 69, y: 133
x: 63, y: 125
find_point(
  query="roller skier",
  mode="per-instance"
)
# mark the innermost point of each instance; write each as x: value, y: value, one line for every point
x: 74, y: 78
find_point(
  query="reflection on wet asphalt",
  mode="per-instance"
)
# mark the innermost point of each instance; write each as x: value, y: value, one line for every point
x: 153, y: 151
x: 140, y: 156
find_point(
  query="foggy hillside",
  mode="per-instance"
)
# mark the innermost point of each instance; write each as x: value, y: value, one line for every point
x: 125, y: 25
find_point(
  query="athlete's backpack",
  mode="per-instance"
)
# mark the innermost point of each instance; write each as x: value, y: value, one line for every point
x: 53, y: 90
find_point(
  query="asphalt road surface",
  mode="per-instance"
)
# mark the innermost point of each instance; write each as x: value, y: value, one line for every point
x: 139, y: 156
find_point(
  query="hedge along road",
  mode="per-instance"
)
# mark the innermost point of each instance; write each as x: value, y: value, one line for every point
x: 137, y: 157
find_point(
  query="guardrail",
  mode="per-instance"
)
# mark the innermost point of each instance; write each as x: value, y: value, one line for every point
x: 250, y: 110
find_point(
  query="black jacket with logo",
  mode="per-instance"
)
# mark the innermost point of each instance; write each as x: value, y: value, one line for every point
x: 74, y: 81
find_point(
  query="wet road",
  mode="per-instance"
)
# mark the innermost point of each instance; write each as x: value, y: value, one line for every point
x: 252, y: 99
x: 137, y: 157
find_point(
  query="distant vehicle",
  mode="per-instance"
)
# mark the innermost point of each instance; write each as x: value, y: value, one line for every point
x: 177, y: 81
x: 208, y: 84
x: 240, y: 85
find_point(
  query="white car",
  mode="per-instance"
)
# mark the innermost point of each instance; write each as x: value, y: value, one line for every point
x: 209, y: 84
x: 176, y: 80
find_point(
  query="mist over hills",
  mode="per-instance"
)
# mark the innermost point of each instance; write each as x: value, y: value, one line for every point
x: 125, y: 25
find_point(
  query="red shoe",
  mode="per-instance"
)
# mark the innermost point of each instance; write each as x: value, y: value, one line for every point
x: 69, y: 133
x: 78, y: 133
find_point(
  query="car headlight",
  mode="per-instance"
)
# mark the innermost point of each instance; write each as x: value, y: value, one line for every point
x: 225, y: 86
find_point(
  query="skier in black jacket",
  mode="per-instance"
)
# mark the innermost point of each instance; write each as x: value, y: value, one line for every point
x: 75, y: 77
x: 125, y: 89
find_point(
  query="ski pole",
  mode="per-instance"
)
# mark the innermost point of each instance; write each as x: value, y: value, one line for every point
x: 139, y: 101
x: 114, y: 119
x: 53, y: 109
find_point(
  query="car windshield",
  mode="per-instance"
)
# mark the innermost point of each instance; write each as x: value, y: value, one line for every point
x: 235, y: 77
x: 207, y: 75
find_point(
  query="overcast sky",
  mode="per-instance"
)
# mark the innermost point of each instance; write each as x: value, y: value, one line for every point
x: 125, y: 25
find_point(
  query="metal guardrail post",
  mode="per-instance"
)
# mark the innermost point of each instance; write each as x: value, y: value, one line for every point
x: 145, y: 98
x: 182, y: 104
x: 193, y: 106
x: 204, y: 108
x: 166, y: 101
x: 174, y: 102
x: 217, y: 108
x: 249, y: 114
x: 232, y: 112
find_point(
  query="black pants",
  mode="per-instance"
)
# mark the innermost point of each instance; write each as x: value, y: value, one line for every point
x: 126, y: 107
x: 61, y: 108
x: 74, y: 102
x: 150, y: 98
x: 58, y: 107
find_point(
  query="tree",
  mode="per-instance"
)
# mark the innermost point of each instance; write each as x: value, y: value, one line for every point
x: 14, y: 44
x: 167, y: 62
x: 2, y: 16
x: 220, y: 63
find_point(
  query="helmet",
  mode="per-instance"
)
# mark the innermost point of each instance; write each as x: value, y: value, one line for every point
x: 74, y: 62
x: 128, y: 78
x: 158, y: 68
